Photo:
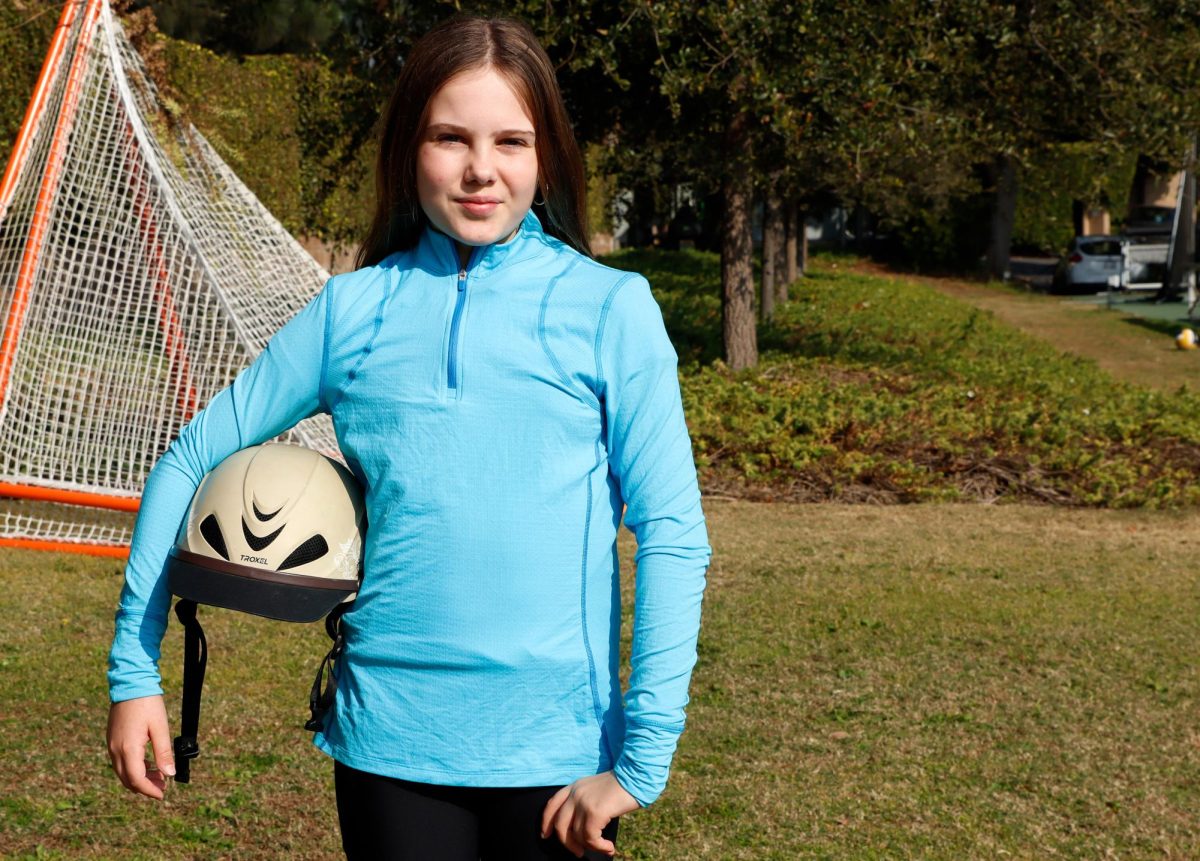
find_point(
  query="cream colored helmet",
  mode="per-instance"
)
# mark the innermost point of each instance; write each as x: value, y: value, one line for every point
x: 275, y: 530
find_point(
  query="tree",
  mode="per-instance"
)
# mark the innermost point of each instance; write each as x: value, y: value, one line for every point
x: 266, y: 26
x: 736, y: 77
x: 774, y: 237
x: 1023, y: 75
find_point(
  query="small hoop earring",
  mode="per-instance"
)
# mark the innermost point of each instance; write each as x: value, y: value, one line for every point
x: 541, y: 202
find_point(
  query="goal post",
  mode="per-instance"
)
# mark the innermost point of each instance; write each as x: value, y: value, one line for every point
x: 138, y: 275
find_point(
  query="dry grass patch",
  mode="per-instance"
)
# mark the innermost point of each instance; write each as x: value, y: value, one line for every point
x: 941, y: 682
x: 1119, y: 343
x: 934, y: 682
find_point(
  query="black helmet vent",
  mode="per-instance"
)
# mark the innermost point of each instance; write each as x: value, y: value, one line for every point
x: 211, y: 530
x: 264, y: 517
x: 254, y: 541
x: 313, y: 548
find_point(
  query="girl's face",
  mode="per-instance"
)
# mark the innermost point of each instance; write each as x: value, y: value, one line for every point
x: 477, y: 168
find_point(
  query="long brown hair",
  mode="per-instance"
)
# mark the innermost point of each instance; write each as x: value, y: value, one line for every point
x: 464, y: 44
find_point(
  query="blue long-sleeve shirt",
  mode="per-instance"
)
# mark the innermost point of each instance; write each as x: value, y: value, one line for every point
x: 498, y: 418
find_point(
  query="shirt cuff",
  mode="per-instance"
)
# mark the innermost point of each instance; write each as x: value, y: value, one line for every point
x: 645, y: 760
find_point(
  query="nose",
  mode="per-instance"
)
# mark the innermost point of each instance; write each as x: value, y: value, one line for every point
x: 480, y: 170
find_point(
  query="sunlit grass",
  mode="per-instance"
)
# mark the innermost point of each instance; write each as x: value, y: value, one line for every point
x: 943, y: 682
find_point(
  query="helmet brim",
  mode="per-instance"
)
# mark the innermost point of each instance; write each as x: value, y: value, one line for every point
x: 273, y: 595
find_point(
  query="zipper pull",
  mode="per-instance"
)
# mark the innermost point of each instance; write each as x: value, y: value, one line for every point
x: 462, y: 278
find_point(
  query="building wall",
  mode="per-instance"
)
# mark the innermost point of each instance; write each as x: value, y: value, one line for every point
x: 1096, y: 222
x: 335, y: 259
x: 1158, y: 189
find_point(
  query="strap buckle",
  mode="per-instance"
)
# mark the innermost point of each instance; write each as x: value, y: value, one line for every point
x: 324, y: 690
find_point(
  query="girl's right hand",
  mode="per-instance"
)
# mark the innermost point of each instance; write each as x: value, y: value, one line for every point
x: 130, y: 725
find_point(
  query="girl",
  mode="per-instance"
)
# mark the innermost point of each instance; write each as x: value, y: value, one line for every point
x: 500, y: 396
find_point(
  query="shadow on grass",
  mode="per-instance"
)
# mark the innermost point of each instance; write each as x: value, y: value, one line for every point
x: 1162, y: 327
x: 1169, y: 327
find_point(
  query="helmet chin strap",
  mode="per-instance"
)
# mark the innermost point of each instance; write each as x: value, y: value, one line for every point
x: 320, y: 698
x: 195, y: 659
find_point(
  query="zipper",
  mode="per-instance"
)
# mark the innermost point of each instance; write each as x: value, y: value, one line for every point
x: 452, y: 358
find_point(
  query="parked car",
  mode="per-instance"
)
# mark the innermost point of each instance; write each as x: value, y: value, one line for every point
x: 1088, y: 263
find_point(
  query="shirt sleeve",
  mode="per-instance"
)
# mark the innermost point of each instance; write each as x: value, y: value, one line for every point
x: 283, y: 386
x: 650, y: 454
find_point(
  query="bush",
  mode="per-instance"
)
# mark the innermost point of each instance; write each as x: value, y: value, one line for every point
x: 874, y: 389
x: 25, y: 36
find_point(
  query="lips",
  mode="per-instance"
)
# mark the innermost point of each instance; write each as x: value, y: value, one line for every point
x: 478, y: 205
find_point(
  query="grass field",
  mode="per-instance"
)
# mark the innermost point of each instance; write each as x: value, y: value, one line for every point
x: 935, y: 682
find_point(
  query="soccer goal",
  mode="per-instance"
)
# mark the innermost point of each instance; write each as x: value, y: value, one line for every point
x: 138, y: 275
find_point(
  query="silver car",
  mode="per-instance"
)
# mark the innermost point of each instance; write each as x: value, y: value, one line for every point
x: 1088, y: 264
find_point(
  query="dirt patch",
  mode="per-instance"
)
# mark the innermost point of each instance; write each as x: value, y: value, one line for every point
x: 1119, y: 343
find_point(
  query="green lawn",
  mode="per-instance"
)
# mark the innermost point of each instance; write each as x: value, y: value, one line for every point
x: 949, y: 682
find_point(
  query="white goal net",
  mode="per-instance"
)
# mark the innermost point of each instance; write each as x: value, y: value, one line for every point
x: 138, y: 275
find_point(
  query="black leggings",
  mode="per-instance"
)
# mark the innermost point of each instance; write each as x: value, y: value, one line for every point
x: 387, y: 819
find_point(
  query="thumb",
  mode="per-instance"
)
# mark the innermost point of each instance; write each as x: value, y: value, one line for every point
x: 164, y: 753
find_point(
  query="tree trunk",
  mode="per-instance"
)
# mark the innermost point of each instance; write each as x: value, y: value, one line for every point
x: 641, y: 217
x: 1003, y: 215
x: 860, y: 229
x: 802, y: 233
x: 781, y: 253
x: 772, y: 273
x: 737, y: 253
x: 791, y: 264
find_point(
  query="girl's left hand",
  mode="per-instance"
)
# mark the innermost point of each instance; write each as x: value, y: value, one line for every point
x: 578, y: 812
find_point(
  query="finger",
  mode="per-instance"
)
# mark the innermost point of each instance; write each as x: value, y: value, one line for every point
x: 562, y: 825
x: 114, y: 753
x: 552, y: 806
x: 582, y: 826
x: 135, y: 774
x: 581, y: 831
x: 155, y: 775
x: 164, y: 753
x: 593, y: 835
x: 600, y: 843
x: 574, y: 846
x: 118, y: 765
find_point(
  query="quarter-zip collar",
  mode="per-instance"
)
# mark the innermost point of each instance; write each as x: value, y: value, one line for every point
x: 437, y: 252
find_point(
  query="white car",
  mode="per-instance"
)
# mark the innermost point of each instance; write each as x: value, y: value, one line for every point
x: 1088, y: 264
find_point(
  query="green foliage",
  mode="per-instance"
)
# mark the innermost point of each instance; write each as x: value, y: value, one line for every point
x: 25, y: 34
x: 601, y: 189
x: 266, y: 26
x: 950, y: 235
x: 248, y: 111
x: 878, y: 389
x: 275, y: 120
x: 1059, y: 175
